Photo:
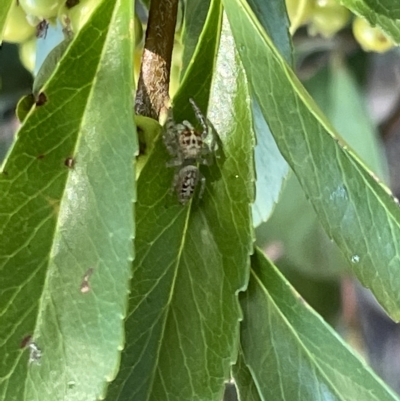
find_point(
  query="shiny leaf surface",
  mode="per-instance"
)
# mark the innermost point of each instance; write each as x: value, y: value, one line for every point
x: 66, y: 222
x: 182, y: 328
x: 354, y: 209
x: 290, y: 353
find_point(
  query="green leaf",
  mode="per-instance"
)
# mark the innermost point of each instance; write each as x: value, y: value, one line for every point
x: 271, y: 169
x: 246, y: 387
x: 49, y: 64
x: 339, y: 96
x: 5, y: 7
x: 182, y: 329
x: 305, y: 246
x: 270, y: 165
x: 355, y: 210
x: 388, y: 24
x: 291, y: 353
x: 295, y: 230
x: 389, y: 8
x: 274, y: 19
x: 24, y: 106
x: 49, y: 51
x: 195, y: 15
x: 196, y: 82
x: 66, y: 222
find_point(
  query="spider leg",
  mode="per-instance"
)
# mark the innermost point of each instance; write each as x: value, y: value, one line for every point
x: 169, y: 134
x: 169, y: 123
x: 213, y: 146
x: 200, y: 118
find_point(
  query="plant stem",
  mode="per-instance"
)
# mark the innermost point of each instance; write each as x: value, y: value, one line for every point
x: 152, y: 93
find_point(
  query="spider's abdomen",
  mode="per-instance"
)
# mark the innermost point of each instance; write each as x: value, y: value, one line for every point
x: 186, y: 183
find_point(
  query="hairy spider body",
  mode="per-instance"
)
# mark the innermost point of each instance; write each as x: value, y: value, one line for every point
x: 185, y: 143
x: 185, y: 183
x: 188, y: 147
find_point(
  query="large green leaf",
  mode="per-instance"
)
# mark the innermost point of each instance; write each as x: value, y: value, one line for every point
x: 66, y: 222
x: 305, y: 245
x: 182, y: 329
x: 5, y: 7
x: 291, y: 353
x: 355, y: 210
x: 270, y: 166
x: 388, y: 24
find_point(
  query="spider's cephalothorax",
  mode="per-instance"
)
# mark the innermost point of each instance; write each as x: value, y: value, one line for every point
x: 185, y: 143
x: 190, y: 141
x: 185, y: 183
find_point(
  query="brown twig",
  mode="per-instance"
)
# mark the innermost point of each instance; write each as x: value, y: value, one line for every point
x: 152, y: 92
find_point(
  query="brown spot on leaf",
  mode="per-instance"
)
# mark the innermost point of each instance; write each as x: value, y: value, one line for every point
x: 25, y: 341
x: 69, y: 162
x: 41, y: 99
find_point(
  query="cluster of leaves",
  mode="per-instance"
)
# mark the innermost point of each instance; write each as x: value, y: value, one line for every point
x: 196, y: 305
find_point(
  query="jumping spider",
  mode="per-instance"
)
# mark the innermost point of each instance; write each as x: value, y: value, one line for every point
x: 184, y: 142
x: 188, y: 147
